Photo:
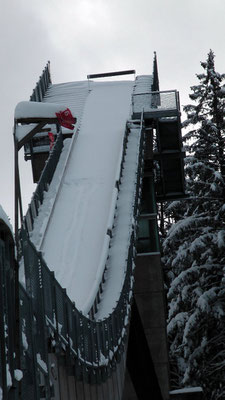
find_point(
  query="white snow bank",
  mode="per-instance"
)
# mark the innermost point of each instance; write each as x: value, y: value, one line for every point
x: 33, y: 109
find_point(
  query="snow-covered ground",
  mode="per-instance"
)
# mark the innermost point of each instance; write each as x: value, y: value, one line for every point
x: 77, y: 228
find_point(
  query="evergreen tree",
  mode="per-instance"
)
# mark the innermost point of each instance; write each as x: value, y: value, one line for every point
x: 194, y: 249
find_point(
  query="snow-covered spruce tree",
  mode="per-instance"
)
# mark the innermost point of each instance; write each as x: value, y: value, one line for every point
x: 194, y: 249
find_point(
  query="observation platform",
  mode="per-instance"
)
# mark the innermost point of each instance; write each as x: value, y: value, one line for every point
x: 157, y: 104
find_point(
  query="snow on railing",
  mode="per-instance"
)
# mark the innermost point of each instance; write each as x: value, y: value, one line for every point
x: 54, y: 192
x: 43, y: 184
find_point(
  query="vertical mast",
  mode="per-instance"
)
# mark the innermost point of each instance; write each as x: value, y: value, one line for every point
x: 155, y: 85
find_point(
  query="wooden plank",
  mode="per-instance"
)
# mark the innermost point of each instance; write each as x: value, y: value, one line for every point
x: 36, y: 120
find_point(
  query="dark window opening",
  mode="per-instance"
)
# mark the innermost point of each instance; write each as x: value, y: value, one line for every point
x: 147, y: 236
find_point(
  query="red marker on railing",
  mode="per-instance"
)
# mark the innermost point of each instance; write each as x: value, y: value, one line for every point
x: 66, y: 119
x: 51, y: 138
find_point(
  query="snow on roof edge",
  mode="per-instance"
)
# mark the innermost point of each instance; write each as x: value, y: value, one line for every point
x: 35, y: 109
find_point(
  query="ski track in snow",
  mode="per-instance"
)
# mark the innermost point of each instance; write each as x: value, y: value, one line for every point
x: 72, y: 244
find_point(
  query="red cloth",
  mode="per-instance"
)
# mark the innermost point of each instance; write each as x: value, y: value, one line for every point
x: 66, y: 119
x: 51, y: 138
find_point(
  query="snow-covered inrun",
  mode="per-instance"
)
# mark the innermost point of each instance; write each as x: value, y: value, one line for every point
x: 75, y: 233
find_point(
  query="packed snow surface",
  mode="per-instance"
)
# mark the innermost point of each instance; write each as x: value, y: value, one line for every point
x: 77, y: 227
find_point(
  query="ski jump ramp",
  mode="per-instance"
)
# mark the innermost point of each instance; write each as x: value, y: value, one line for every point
x: 75, y: 241
x: 78, y: 240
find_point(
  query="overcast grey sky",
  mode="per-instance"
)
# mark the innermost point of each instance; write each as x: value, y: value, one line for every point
x: 80, y: 37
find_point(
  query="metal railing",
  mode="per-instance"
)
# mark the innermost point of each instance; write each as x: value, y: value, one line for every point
x: 42, y: 85
x: 89, y: 344
x: 156, y: 102
x: 9, y: 360
x: 29, y: 349
x: 43, y: 184
x: 92, y: 347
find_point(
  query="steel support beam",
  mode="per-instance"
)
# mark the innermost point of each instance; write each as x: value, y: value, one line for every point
x: 139, y: 361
